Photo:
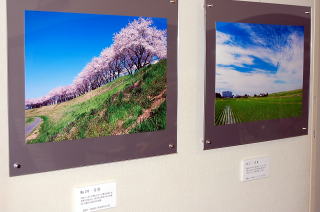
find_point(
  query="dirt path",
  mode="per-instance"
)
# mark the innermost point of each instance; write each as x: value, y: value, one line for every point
x: 33, y: 125
x: 157, y: 101
x: 228, y: 116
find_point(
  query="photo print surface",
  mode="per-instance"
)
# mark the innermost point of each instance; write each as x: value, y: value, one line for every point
x: 89, y: 75
x: 259, y: 72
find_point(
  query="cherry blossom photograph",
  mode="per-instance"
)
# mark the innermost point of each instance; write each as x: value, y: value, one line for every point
x: 259, y: 72
x: 93, y: 75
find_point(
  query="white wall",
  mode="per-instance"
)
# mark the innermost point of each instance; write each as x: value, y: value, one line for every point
x: 190, y: 181
x: 315, y: 185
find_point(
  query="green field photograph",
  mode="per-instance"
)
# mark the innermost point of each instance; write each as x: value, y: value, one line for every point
x: 259, y: 72
x: 89, y: 76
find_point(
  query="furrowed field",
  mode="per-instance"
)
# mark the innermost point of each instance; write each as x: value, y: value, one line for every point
x: 129, y: 104
x: 277, y: 105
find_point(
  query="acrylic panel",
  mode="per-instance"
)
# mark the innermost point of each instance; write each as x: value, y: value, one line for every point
x: 257, y: 72
x: 90, y: 82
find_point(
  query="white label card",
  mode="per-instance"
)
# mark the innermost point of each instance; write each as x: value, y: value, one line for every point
x: 254, y: 169
x: 95, y: 198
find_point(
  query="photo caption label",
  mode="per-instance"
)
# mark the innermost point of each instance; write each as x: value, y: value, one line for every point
x: 95, y: 198
x: 254, y: 169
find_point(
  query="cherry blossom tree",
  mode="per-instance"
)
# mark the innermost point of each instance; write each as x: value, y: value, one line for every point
x: 135, y: 46
x: 140, y: 43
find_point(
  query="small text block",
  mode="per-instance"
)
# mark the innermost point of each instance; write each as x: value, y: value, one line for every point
x: 254, y: 169
x: 95, y: 198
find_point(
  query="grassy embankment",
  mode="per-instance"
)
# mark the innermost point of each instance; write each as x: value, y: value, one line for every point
x: 129, y: 104
x: 277, y: 105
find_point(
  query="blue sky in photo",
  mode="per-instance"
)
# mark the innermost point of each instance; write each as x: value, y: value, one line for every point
x: 243, y: 33
x: 58, y: 45
x: 246, y: 51
x: 258, y: 63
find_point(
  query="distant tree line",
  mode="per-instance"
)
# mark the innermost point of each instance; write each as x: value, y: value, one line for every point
x: 134, y: 47
x: 218, y: 95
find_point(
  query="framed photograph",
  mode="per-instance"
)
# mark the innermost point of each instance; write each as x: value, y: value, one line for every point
x: 257, y: 72
x: 90, y: 82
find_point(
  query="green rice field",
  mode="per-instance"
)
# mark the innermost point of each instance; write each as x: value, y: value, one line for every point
x: 274, y: 106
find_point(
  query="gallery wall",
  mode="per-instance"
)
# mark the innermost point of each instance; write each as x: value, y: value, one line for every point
x: 193, y: 179
x: 315, y: 174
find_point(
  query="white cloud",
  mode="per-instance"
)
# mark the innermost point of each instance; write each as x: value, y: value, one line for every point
x: 288, y: 77
x: 222, y: 37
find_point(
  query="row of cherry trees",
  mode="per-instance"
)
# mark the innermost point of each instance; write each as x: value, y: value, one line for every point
x: 134, y: 47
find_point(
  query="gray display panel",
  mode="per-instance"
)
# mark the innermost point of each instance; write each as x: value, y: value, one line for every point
x: 257, y: 72
x: 113, y: 115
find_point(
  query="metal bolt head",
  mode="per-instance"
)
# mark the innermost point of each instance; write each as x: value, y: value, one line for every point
x: 171, y: 146
x: 172, y: 1
x: 208, y: 142
x: 304, y: 128
x: 16, y: 165
x: 307, y: 12
x: 209, y: 5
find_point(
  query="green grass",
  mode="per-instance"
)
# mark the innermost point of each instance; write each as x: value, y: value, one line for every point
x: 45, y: 130
x: 157, y: 121
x: 275, y: 106
x: 113, y: 109
x: 29, y: 120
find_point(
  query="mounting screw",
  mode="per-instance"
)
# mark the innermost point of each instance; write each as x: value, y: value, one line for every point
x: 304, y: 128
x: 209, y: 5
x: 208, y: 142
x: 307, y: 12
x: 16, y: 165
x: 171, y: 146
x: 172, y: 1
